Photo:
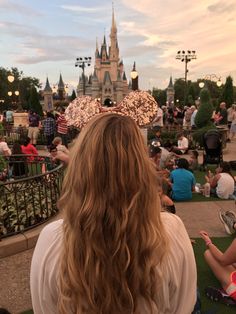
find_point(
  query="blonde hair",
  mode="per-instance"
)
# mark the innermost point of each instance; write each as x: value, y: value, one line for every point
x: 57, y: 140
x: 114, y: 240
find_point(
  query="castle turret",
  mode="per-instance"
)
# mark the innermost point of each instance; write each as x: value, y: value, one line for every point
x: 170, y: 93
x: 114, y: 50
x: 61, y: 88
x: 103, y: 53
x: 48, y: 97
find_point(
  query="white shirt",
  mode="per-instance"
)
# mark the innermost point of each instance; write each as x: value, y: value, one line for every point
x: 183, y: 143
x: 178, y: 269
x: 158, y: 121
x: 4, y: 148
x: 193, y: 117
x: 225, y: 186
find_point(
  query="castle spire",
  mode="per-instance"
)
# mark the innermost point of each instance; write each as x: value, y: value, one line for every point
x: 47, y: 86
x: 113, y: 25
x: 170, y: 83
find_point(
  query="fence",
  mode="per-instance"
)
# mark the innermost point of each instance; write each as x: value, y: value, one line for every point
x: 29, y: 190
x: 13, y: 134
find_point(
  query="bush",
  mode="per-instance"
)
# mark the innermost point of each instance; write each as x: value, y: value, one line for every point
x: 205, y: 111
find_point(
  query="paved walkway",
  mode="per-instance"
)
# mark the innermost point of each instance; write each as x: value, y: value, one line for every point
x: 14, y: 270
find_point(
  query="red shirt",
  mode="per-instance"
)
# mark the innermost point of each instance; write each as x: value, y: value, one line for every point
x: 62, y: 124
x: 29, y: 150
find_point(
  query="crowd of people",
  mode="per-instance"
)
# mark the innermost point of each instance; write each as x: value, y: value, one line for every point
x: 184, y: 118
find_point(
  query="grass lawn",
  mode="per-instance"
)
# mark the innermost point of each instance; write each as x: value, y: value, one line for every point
x: 207, y: 278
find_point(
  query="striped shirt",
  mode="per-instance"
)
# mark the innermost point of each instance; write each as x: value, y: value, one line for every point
x: 62, y: 125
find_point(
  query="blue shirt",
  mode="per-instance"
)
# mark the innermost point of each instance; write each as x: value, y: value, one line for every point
x: 183, y: 182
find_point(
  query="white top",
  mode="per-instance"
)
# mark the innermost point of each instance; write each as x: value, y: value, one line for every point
x: 158, y: 121
x: 193, y: 117
x: 179, y: 270
x: 225, y: 186
x: 4, y: 148
x: 183, y: 143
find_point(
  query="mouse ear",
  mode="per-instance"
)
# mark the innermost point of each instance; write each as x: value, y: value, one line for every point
x: 140, y: 106
x: 81, y: 110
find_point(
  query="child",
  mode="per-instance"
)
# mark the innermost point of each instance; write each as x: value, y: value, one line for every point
x: 193, y: 161
x: 58, y: 143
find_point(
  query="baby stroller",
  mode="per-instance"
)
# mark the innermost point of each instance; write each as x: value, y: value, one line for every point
x: 212, y: 148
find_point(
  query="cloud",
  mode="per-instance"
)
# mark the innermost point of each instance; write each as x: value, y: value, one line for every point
x: 15, y: 7
x: 80, y: 9
x: 222, y: 7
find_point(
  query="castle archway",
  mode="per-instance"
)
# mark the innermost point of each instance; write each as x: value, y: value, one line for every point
x: 108, y: 102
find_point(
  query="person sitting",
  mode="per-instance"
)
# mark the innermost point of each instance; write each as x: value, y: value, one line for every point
x: 28, y: 148
x: 114, y: 251
x: 166, y: 201
x: 182, y: 147
x: 223, y: 266
x: 193, y: 160
x: 157, y: 141
x: 4, y: 149
x: 57, y: 141
x: 222, y: 183
x: 183, y: 181
x: 161, y: 156
x: 17, y: 162
x: 58, y: 155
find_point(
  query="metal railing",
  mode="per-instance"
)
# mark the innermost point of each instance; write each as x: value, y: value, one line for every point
x: 13, y: 134
x: 29, y: 190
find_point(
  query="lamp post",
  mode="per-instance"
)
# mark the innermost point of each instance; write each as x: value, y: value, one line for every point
x: 211, y: 77
x: 186, y: 57
x: 134, y: 78
x: 82, y: 62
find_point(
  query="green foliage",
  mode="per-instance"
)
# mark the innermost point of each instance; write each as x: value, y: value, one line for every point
x: 73, y: 95
x: 228, y: 92
x: 198, y: 134
x: 34, y: 103
x: 191, y: 95
x: 159, y: 95
x: 205, y: 111
x: 179, y: 87
x: 20, y: 83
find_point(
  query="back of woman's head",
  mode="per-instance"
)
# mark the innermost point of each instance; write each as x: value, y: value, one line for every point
x: 113, y: 235
x: 26, y: 141
x: 16, y: 149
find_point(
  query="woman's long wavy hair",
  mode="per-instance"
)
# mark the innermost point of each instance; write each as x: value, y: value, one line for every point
x: 113, y: 237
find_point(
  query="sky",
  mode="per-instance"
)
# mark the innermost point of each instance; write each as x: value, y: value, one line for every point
x: 44, y: 38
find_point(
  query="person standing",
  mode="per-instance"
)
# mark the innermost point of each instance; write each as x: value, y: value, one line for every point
x: 4, y: 149
x: 49, y: 126
x: 158, y: 121
x: 33, y: 132
x: 62, y: 128
x: 192, y: 120
x: 232, y: 130
x: 222, y: 121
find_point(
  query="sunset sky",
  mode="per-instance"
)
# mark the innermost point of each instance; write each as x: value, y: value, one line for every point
x: 43, y: 38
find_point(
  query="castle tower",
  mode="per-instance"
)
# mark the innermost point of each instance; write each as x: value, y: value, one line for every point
x: 170, y: 93
x: 47, y: 97
x: 61, y: 88
x: 108, y: 82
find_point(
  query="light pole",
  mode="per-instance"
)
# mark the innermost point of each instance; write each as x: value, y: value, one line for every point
x: 11, y: 79
x: 134, y: 78
x: 186, y: 57
x: 81, y: 62
x: 211, y: 77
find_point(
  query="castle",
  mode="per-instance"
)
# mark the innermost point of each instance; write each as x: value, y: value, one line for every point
x: 108, y: 81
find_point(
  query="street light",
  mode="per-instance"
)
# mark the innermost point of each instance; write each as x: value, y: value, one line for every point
x: 134, y: 78
x: 82, y: 62
x: 10, y: 78
x: 211, y: 77
x: 186, y: 57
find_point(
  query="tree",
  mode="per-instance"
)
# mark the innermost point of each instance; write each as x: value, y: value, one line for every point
x: 34, y: 103
x: 179, y: 87
x: 205, y: 111
x: 73, y: 95
x: 20, y: 83
x: 228, y: 92
x: 191, y: 96
x: 159, y: 95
